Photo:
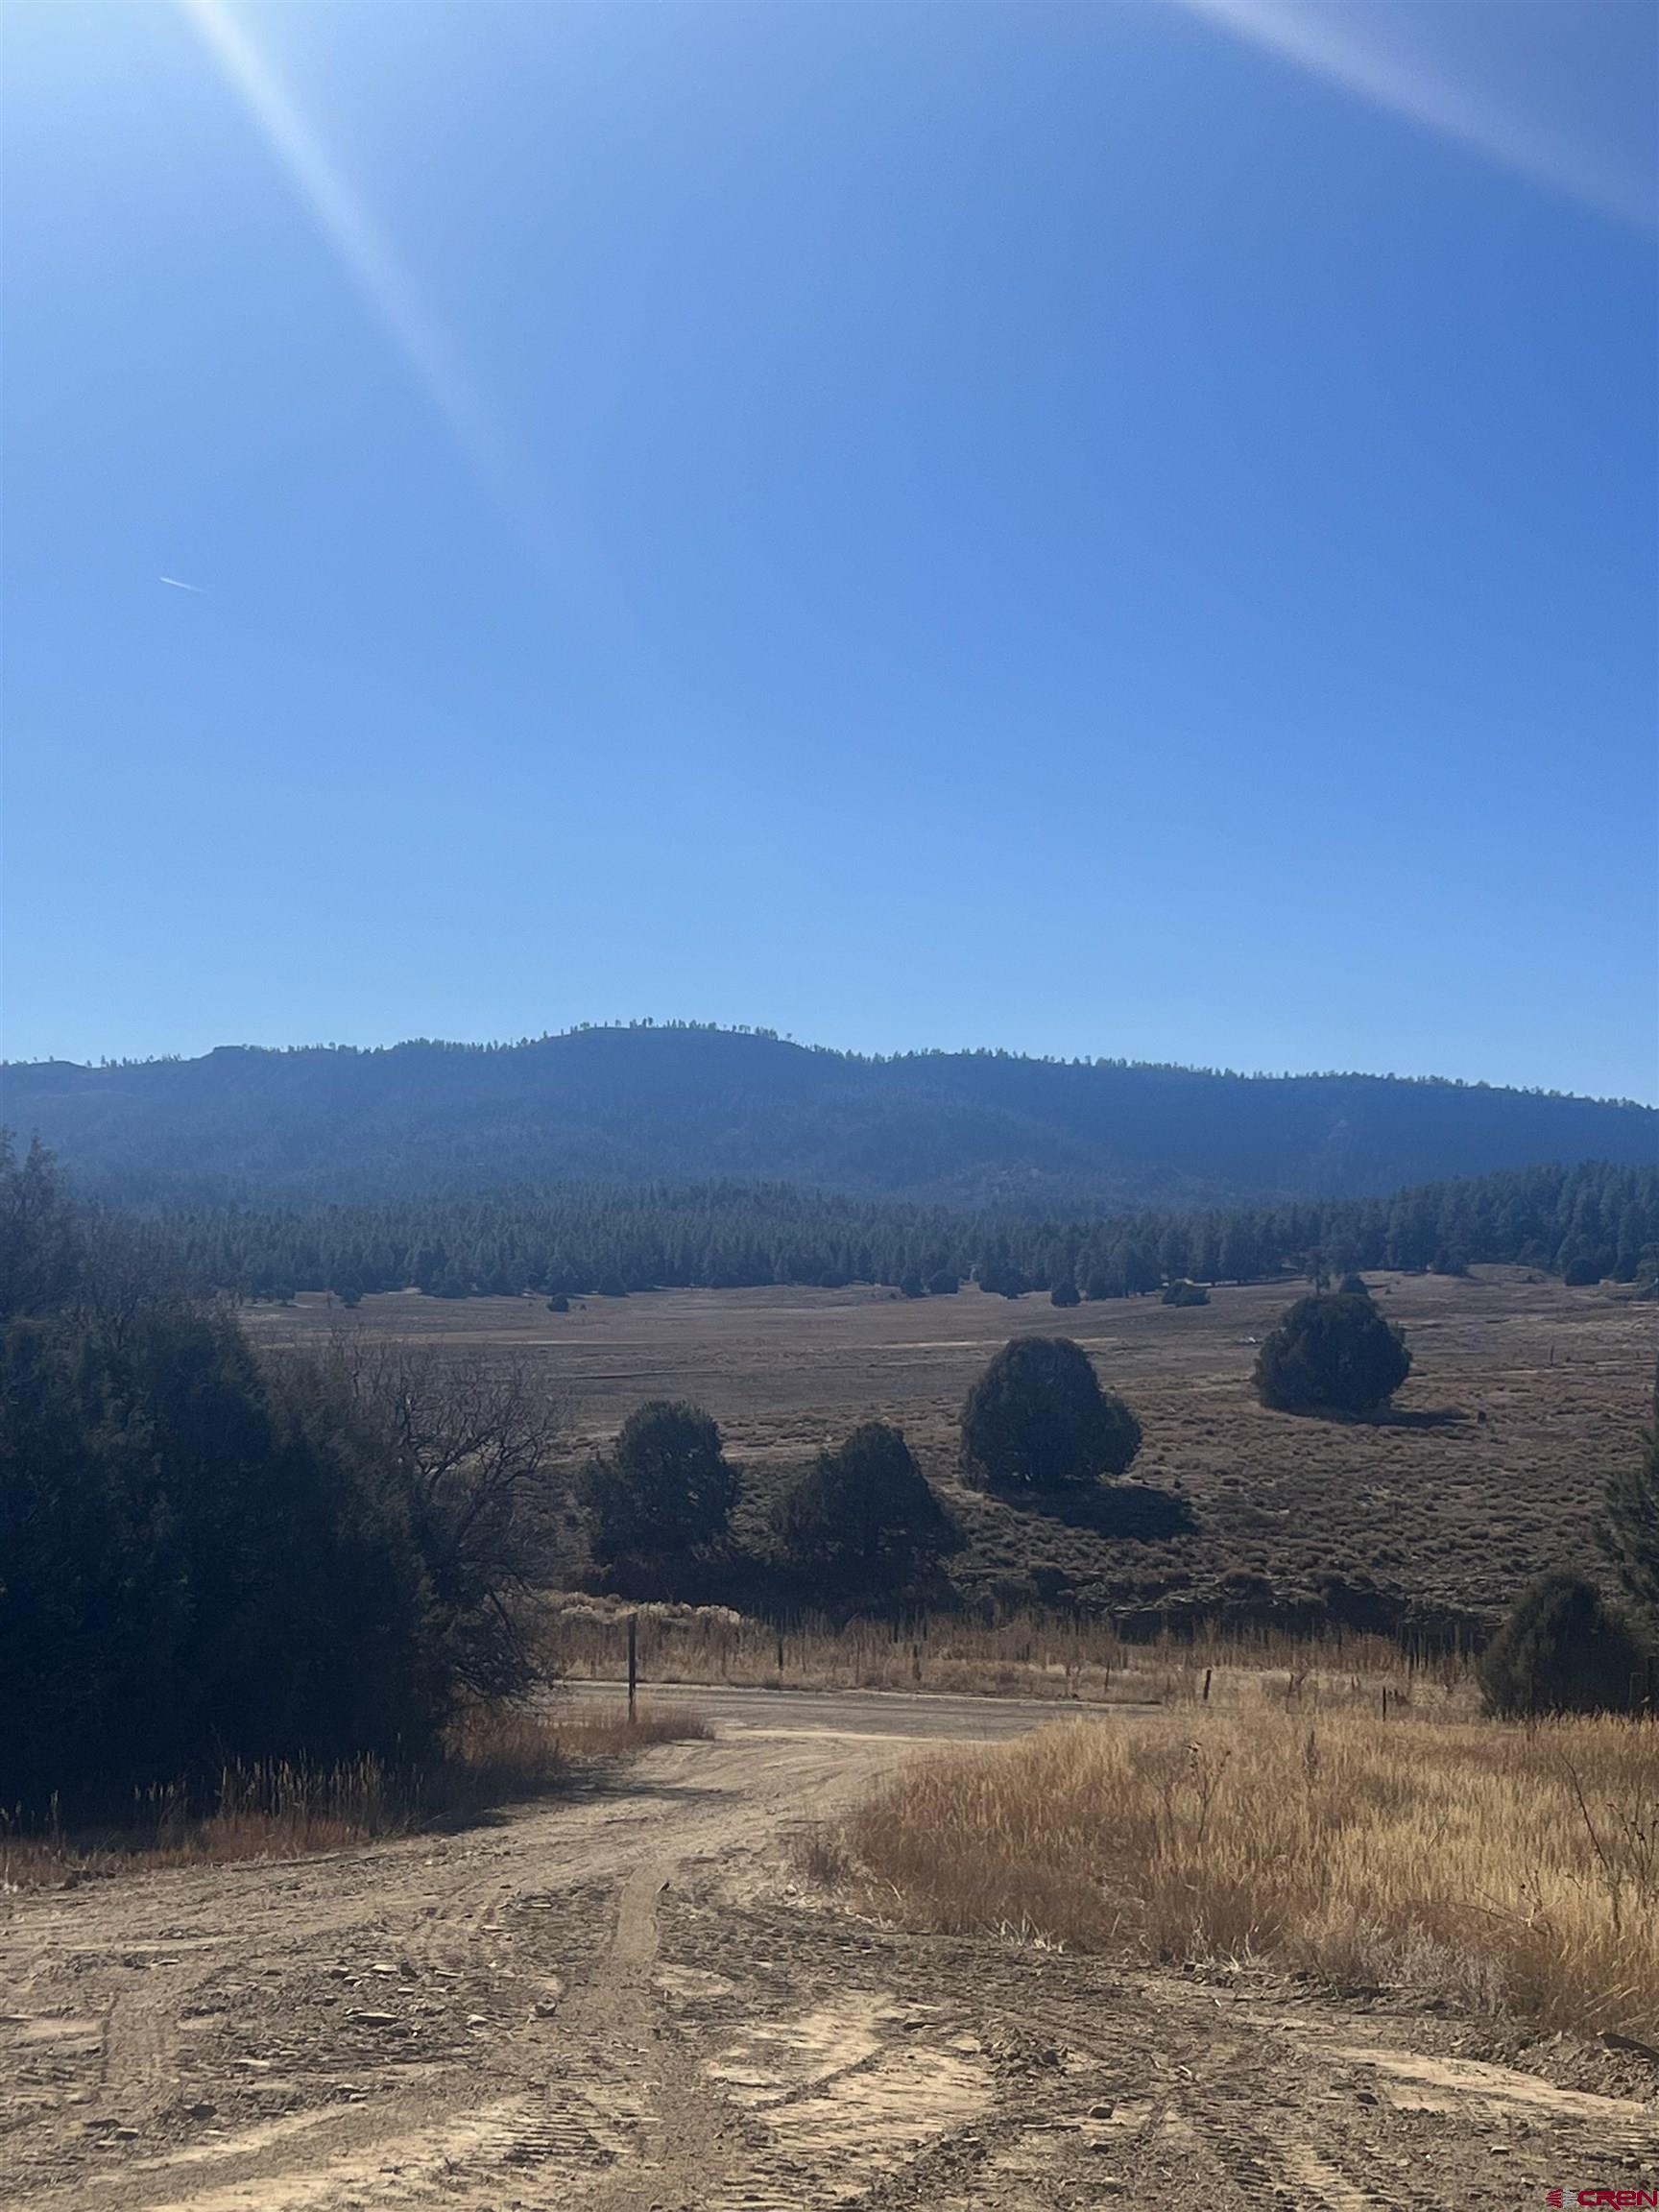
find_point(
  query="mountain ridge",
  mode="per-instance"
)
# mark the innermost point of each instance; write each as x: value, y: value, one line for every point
x: 648, y: 1102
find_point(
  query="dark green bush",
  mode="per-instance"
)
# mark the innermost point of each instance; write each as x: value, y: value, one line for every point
x: 1332, y: 1354
x: 663, y: 1491
x: 1038, y: 1419
x: 203, y: 1559
x: 861, y: 1523
x: 1562, y: 1650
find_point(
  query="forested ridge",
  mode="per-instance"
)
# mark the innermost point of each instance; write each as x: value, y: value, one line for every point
x: 1584, y: 1222
x: 676, y: 1104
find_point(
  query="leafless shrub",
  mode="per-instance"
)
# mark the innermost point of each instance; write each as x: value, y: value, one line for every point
x: 477, y: 1436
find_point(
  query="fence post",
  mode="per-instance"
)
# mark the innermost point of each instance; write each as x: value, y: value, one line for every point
x: 1206, y: 1686
x: 632, y: 1665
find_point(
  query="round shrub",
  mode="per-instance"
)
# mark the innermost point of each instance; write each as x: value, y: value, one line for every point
x: 1038, y: 1419
x: 861, y: 1523
x: 665, y: 1486
x: 1332, y: 1354
x: 1562, y: 1650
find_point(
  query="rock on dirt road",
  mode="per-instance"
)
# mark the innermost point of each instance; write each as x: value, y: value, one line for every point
x: 626, y: 2002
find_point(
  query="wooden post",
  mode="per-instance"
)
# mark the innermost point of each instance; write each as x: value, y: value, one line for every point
x: 1384, y: 1700
x: 633, y: 1666
x: 1207, y: 1685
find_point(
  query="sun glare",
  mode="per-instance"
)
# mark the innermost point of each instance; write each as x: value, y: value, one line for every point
x: 361, y: 246
x: 1333, y: 42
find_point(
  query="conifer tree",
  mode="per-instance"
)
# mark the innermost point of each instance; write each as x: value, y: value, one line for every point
x: 1561, y: 1650
x: 664, y: 1489
x: 862, y: 1522
x: 1038, y: 1418
x: 1332, y: 1354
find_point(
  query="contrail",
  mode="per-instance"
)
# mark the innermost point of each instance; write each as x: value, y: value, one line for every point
x: 179, y: 585
x: 1330, y: 40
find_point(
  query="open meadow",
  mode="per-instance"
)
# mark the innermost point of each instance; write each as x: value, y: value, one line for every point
x: 1524, y: 1395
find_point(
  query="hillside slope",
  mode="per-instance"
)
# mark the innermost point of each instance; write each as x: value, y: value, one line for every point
x: 637, y: 1105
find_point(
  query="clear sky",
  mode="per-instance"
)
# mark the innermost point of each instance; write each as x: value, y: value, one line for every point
x: 1122, y: 528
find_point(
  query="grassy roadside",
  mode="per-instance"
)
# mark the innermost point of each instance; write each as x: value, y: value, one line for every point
x: 1076, y: 1660
x: 1499, y: 1868
x: 284, y: 1811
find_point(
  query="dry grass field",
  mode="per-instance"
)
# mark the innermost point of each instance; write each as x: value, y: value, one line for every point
x: 1499, y: 1870
x: 1524, y: 1395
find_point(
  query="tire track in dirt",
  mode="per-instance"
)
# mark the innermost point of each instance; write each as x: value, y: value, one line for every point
x: 621, y: 2004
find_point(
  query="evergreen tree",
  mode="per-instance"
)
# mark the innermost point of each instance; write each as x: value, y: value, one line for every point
x: 663, y: 1490
x: 1332, y: 1354
x: 1038, y: 1419
x: 1561, y: 1650
x: 861, y: 1523
x: 205, y: 1560
x: 565, y: 1240
x: 1240, y: 1254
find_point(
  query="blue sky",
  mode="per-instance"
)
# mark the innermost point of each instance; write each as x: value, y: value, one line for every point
x: 1122, y: 529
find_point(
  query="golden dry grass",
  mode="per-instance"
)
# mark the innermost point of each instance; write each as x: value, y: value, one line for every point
x: 284, y: 1811
x: 1506, y: 1869
x: 1029, y: 1654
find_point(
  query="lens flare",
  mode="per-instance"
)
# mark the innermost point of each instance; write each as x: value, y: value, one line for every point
x: 1331, y: 40
x: 362, y: 247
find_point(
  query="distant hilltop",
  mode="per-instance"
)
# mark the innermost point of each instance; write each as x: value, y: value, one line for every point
x: 679, y: 1102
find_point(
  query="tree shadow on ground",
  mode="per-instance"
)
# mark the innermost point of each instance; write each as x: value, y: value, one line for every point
x: 1381, y: 1417
x: 1133, y: 1512
x: 1428, y: 1417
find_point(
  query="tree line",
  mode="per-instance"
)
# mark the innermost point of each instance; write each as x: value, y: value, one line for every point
x: 586, y: 1240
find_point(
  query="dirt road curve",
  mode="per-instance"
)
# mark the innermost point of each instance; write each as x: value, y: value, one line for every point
x: 626, y: 2003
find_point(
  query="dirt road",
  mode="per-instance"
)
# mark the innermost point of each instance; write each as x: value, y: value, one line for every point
x: 632, y: 2001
